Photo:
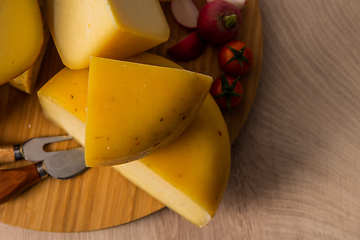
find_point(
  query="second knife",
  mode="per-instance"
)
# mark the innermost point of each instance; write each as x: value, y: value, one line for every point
x: 63, y: 165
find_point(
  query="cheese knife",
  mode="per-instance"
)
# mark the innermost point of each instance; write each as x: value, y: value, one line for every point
x: 32, y: 150
x: 62, y: 165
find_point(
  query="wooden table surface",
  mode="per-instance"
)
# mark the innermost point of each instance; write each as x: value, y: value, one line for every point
x: 296, y: 163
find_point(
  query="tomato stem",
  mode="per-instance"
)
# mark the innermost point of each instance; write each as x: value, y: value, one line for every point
x: 238, y: 56
x: 229, y: 21
x: 228, y: 91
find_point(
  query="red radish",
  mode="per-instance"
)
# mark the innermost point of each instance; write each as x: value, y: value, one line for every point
x: 239, y: 4
x: 188, y: 48
x: 219, y: 22
x: 185, y: 12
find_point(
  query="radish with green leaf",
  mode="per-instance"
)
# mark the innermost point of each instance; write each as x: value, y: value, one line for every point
x: 219, y: 22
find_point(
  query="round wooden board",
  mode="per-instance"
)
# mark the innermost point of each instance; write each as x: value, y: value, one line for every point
x: 100, y: 197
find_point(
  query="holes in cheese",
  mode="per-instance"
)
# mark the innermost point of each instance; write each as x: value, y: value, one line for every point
x: 21, y: 37
x: 135, y: 109
x: 105, y: 28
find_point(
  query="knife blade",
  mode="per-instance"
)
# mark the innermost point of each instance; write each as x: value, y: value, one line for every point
x: 63, y: 165
x: 32, y: 150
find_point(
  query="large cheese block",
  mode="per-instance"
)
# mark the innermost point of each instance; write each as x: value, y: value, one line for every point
x: 21, y: 36
x: 104, y: 28
x: 189, y: 175
x: 135, y: 109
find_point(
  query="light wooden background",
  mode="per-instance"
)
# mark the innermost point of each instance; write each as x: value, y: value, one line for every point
x: 296, y: 163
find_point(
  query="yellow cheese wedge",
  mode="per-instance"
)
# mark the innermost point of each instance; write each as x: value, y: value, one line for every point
x: 21, y: 37
x: 189, y: 175
x: 64, y: 97
x: 135, y: 109
x: 104, y: 28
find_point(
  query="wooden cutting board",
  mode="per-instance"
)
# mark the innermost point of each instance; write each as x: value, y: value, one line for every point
x: 101, y: 197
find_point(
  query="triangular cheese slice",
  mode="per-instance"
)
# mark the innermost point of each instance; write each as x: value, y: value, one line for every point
x: 135, y: 109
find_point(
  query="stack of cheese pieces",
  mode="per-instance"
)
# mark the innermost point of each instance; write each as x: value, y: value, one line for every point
x: 145, y: 116
x: 80, y: 29
x: 189, y: 175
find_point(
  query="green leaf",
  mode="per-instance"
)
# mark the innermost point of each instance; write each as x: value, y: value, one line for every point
x: 234, y: 94
x: 224, y: 83
x: 220, y: 95
x: 232, y: 87
x: 229, y: 21
x: 228, y: 103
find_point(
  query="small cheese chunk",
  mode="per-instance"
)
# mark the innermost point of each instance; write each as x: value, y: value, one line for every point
x: 135, y: 109
x: 104, y: 28
x: 21, y: 37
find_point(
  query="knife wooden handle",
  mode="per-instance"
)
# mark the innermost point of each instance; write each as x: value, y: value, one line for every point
x: 14, y: 181
x: 7, y: 154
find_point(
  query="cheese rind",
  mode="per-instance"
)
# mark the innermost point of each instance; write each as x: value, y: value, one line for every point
x: 135, y: 109
x: 63, y: 100
x: 104, y: 28
x: 21, y: 37
x: 189, y: 175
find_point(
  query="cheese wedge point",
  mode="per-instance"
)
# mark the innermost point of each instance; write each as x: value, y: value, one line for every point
x: 21, y: 37
x: 27, y: 80
x: 135, y: 109
x: 104, y: 28
x: 189, y: 175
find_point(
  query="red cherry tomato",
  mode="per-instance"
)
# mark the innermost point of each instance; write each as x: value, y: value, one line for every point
x: 235, y: 58
x: 227, y: 91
